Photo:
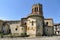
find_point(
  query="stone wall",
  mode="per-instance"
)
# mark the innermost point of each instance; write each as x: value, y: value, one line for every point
x: 31, y: 27
x: 48, y: 27
x: 16, y: 29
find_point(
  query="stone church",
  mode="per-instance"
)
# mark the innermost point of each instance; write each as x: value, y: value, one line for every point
x: 33, y: 25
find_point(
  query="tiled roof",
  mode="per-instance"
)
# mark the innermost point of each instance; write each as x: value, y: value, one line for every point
x: 37, y: 4
x: 48, y: 19
x: 1, y: 20
x: 56, y: 24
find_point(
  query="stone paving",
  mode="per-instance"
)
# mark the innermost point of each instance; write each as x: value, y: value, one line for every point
x: 38, y: 38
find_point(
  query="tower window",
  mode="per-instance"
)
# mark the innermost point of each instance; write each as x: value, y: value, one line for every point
x: 32, y: 10
x: 36, y: 9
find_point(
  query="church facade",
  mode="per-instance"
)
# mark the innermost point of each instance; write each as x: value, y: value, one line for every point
x: 33, y: 25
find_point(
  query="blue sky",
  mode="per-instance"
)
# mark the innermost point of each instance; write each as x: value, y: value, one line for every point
x: 17, y: 9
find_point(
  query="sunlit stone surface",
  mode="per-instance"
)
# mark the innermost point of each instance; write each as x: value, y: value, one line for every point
x: 37, y: 38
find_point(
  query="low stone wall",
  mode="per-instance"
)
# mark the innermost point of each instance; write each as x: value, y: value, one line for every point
x: 37, y: 38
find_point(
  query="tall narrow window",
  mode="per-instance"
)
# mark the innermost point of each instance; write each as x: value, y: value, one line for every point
x: 9, y: 30
x: 46, y: 23
x: 32, y: 10
x: 25, y: 23
x: 36, y: 9
x: 32, y: 23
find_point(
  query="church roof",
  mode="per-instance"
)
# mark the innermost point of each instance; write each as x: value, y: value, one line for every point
x: 48, y: 19
x: 34, y: 15
x: 37, y: 4
x: 12, y: 21
x: 1, y: 20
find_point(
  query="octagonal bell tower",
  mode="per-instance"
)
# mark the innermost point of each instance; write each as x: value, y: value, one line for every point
x: 35, y: 21
x: 37, y: 9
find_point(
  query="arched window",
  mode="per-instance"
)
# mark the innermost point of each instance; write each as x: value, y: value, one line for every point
x: 36, y: 9
x: 25, y: 23
x: 9, y: 30
x: 16, y: 29
x: 46, y: 23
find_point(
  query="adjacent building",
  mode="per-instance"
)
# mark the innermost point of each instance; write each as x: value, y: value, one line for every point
x: 57, y: 29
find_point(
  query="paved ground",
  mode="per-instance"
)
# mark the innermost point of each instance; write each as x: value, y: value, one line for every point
x: 38, y: 38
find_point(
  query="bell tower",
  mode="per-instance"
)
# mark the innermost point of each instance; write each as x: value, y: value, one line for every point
x: 35, y: 21
x: 37, y: 9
